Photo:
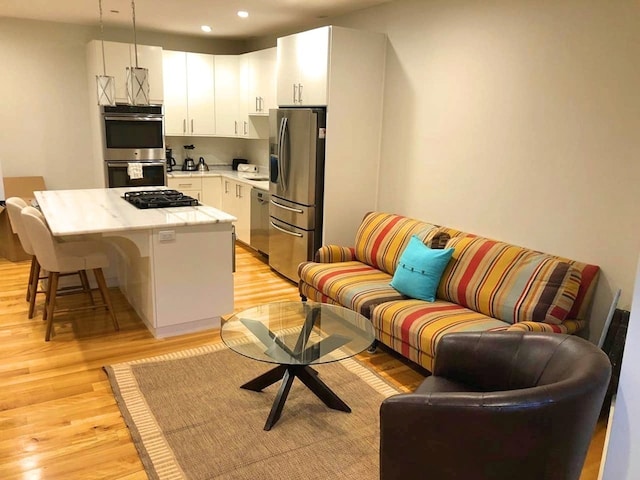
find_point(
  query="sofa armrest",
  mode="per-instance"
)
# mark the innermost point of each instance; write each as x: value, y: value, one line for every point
x: 335, y: 253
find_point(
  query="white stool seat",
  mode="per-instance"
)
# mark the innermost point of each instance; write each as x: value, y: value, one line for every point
x: 63, y: 257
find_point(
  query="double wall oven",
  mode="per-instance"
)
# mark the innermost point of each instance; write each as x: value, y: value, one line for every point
x: 133, y: 145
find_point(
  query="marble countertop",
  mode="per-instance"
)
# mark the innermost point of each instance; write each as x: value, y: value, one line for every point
x: 101, y: 210
x: 246, y: 177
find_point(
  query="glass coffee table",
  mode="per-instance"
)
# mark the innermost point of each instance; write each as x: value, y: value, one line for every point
x: 294, y: 336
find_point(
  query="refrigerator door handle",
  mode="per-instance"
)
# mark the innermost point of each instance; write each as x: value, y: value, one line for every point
x: 282, y: 159
x: 279, y: 205
x: 293, y: 234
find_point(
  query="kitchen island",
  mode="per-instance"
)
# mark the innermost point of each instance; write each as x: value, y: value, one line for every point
x: 174, y: 265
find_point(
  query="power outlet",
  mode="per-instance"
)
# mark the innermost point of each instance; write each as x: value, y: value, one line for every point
x: 167, y: 236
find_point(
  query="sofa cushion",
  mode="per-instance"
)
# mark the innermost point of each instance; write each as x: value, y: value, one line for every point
x: 508, y: 282
x: 414, y: 327
x: 382, y: 237
x: 354, y: 284
x: 419, y: 270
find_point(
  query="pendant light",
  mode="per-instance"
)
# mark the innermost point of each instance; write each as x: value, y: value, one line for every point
x: 137, y: 77
x: 105, y: 85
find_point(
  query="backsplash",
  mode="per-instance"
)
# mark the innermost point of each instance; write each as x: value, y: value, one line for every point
x: 219, y: 151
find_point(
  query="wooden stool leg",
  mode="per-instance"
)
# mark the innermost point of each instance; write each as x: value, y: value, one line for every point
x: 86, y: 287
x: 51, y: 303
x: 104, y: 291
x: 33, y: 267
x: 33, y: 285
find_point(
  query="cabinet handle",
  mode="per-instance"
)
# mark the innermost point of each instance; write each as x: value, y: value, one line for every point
x: 261, y: 104
x: 192, y: 125
x: 235, y: 126
x: 184, y: 125
x: 226, y: 187
x: 185, y: 185
x: 237, y: 196
x: 299, y: 93
x: 295, y: 92
x: 244, y: 127
x: 257, y: 107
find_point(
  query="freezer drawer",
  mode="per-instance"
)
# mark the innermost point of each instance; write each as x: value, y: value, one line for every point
x: 292, y: 213
x: 288, y: 247
x: 259, y: 238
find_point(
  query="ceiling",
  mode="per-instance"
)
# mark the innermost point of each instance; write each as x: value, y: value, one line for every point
x: 266, y: 17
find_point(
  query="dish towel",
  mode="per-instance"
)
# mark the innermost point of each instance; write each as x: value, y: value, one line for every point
x: 134, y: 170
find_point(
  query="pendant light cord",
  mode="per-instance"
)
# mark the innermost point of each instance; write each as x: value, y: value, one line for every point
x: 135, y: 42
x: 104, y: 64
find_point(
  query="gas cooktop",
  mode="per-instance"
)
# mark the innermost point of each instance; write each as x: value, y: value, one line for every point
x: 159, y: 199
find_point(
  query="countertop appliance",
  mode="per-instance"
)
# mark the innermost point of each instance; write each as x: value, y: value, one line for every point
x: 296, y: 185
x: 171, y: 162
x: 159, y: 199
x: 259, y: 233
x: 189, y: 165
x: 238, y: 161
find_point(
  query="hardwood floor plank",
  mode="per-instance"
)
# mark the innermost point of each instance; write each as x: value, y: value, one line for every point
x: 58, y: 417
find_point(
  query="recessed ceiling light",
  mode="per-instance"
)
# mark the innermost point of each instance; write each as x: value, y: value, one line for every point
x: 243, y: 14
x: 205, y: 28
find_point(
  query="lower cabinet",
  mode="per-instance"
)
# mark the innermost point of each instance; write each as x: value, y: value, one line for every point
x: 236, y: 201
x: 212, y: 192
x: 187, y: 185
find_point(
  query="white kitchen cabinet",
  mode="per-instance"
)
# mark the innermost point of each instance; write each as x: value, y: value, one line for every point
x: 236, y: 201
x: 303, y: 67
x: 260, y: 81
x: 227, y: 95
x: 117, y: 57
x: 189, y: 93
x: 212, y: 192
x: 190, y: 186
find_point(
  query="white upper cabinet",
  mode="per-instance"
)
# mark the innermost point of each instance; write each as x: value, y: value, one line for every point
x: 302, y: 68
x: 189, y: 93
x: 118, y: 57
x: 227, y: 95
x: 260, y: 73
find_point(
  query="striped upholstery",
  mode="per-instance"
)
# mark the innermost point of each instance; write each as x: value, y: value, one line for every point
x: 335, y: 253
x: 382, y: 237
x: 351, y: 284
x: 511, y: 283
x: 414, y: 327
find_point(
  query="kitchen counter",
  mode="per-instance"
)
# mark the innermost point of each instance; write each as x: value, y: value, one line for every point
x: 100, y: 210
x: 226, y: 172
x: 174, y: 265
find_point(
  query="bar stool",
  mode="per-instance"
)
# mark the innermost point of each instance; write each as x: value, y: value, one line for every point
x: 14, y: 208
x: 63, y: 257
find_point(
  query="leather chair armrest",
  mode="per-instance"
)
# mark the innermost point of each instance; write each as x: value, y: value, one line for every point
x: 334, y: 254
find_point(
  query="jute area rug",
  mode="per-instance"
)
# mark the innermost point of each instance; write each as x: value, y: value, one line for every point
x: 189, y: 419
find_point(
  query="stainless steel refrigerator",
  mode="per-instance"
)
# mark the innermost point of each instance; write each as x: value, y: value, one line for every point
x: 296, y: 185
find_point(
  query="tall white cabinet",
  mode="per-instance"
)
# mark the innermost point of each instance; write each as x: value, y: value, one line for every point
x: 342, y: 69
x: 189, y: 93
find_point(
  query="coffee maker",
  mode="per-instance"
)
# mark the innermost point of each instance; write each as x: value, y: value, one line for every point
x: 171, y: 162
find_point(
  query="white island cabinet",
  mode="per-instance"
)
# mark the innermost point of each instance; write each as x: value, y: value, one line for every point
x: 174, y: 265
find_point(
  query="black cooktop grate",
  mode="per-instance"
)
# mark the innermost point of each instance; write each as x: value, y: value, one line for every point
x: 159, y: 199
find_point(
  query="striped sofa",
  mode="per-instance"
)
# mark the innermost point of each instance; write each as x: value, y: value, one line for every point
x: 487, y: 285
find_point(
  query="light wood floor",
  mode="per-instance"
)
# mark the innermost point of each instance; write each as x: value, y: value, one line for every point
x: 58, y: 418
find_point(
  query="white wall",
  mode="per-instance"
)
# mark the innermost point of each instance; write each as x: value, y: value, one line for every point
x: 621, y: 460
x: 518, y: 121
x: 44, y: 106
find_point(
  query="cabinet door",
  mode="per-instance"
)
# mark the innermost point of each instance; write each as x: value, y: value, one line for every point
x: 212, y: 192
x: 200, y: 94
x: 117, y: 60
x: 174, y: 66
x: 187, y: 185
x: 227, y: 90
x: 150, y: 58
x: 313, y: 62
x: 243, y: 206
x: 261, y: 71
x: 287, y: 70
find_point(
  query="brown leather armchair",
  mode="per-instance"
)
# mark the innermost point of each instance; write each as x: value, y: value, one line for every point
x: 499, y: 406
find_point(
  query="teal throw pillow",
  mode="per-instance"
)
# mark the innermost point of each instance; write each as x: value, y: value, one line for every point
x: 419, y: 270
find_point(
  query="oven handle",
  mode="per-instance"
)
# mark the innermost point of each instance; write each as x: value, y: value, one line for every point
x: 145, y: 163
x: 131, y: 118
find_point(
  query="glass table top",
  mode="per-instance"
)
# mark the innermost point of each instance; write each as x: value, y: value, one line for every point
x: 297, y: 333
